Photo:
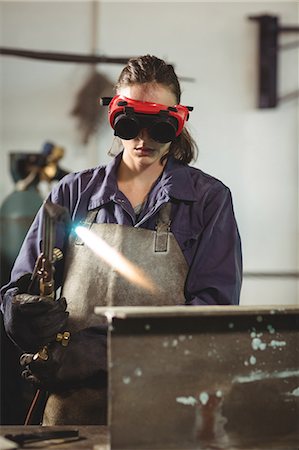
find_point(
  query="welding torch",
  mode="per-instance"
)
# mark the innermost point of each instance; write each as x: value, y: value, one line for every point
x: 43, y: 273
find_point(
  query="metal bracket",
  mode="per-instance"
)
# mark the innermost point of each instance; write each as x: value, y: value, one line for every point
x: 269, y: 30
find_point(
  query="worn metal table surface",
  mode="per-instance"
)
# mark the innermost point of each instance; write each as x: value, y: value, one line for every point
x: 197, y: 378
x: 204, y: 377
x: 97, y: 438
x: 91, y: 437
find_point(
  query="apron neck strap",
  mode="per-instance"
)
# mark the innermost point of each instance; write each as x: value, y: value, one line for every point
x: 162, y: 226
x: 89, y: 220
x: 163, y: 220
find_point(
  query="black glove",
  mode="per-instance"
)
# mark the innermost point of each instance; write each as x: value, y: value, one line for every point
x: 32, y: 321
x: 82, y: 363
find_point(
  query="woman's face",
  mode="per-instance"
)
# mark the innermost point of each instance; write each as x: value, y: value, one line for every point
x: 143, y: 150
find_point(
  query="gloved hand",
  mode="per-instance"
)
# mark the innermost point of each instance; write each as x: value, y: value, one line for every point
x: 82, y: 363
x: 32, y: 321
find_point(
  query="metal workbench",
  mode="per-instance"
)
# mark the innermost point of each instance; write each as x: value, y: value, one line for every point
x: 196, y: 378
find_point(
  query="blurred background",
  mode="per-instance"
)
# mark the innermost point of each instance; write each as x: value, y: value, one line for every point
x: 250, y: 145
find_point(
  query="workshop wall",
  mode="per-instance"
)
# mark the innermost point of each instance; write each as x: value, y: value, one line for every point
x: 254, y: 152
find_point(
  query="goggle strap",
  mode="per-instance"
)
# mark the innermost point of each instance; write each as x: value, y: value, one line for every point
x: 105, y: 101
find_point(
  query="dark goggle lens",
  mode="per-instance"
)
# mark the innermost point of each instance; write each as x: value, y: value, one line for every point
x: 126, y: 127
x: 161, y: 130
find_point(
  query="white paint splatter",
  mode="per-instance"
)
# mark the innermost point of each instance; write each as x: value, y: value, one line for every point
x: 295, y: 392
x: 203, y: 398
x: 138, y: 372
x: 147, y: 327
x: 259, y: 375
x: 189, y: 401
x: 271, y: 329
x: 277, y: 344
x: 165, y: 344
x: 182, y: 338
x: 231, y: 325
x: 126, y: 380
x: 187, y: 352
x: 259, y: 318
x: 252, y: 360
x: 175, y: 342
x: 257, y: 344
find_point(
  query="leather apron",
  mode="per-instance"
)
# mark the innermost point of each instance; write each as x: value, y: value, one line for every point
x: 90, y: 282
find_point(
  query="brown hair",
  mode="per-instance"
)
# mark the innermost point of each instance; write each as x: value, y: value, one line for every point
x: 150, y: 69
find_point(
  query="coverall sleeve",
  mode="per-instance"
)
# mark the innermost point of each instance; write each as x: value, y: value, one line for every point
x: 215, y: 273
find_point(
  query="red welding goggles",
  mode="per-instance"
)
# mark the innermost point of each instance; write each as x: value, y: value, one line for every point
x: 127, y: 117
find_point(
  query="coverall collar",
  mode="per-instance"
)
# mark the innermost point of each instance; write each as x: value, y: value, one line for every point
x: 175, y: 181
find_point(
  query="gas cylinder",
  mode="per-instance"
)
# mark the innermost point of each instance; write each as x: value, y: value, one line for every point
x: 16, y: 215
x: 20, y: 207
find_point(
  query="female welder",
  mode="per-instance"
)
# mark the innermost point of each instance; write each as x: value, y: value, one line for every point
x: 170, y: 219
